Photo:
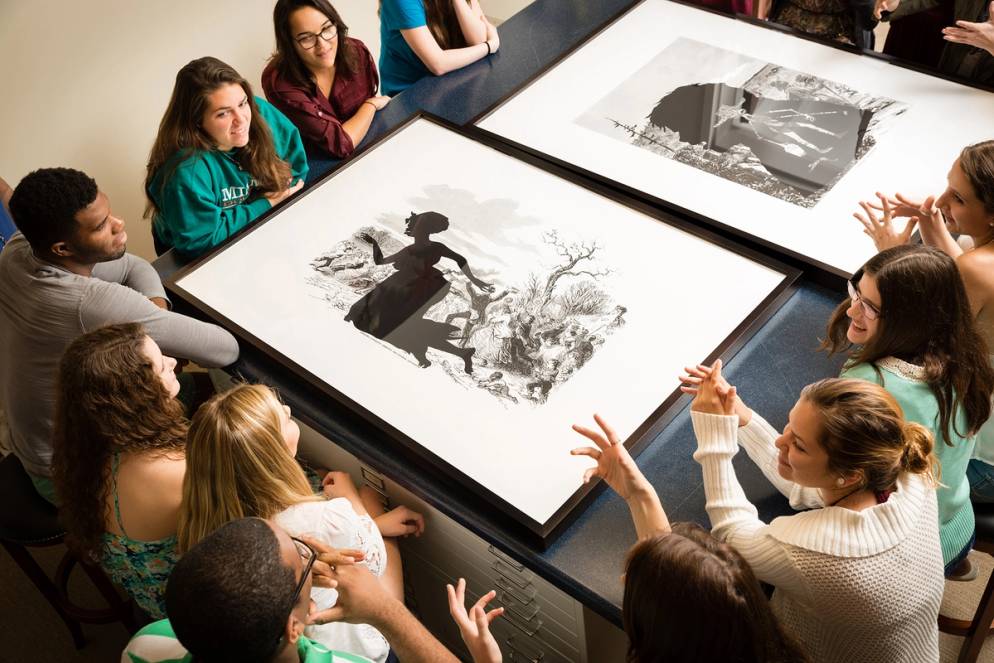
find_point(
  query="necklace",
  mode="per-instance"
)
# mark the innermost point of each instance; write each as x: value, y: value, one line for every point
x: 851, y: 492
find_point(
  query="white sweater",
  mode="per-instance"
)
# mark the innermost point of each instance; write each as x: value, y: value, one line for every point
x: 851, y: 586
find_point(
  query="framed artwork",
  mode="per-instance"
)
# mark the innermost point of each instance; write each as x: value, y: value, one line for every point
x: 745, y: 128
x: 473, y: 305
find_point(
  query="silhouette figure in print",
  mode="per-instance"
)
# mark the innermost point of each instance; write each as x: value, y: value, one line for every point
x: 394, y: 311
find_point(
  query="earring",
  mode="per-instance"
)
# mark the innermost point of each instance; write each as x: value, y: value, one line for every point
x: 840, y: 482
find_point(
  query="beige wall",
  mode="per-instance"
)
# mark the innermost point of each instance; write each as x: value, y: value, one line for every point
x: 86, y: 81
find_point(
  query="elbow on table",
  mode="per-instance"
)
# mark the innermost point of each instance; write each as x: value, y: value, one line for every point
x: 436, y: 67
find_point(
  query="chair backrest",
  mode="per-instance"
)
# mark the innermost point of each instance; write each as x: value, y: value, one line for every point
x: 25, y: 516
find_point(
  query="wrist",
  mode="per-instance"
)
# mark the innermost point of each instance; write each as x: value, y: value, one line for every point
x: 371, y: 104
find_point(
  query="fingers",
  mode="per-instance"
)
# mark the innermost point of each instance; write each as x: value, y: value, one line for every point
x: 494, y: 614
x: 592, y: 435
x: 333, y: 614
x: 730, y: 396
x: 457, y: 602
x: 481, y: 604
x: 868, y: 227
x: 885, y: 204
x: 589, y: 474
x: 415, y: 523
x: 612, y: 437
x: 586, y: 451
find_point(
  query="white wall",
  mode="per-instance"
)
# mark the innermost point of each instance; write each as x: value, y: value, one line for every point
x: 86, y: 81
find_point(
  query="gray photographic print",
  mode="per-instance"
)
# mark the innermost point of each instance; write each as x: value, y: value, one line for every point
x: 406, y: 281
x: 782, y: 132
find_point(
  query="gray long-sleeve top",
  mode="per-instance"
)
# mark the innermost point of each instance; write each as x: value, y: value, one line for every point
x: 44, y: 308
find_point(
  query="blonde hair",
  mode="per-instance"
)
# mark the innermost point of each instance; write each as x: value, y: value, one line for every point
x: 863, y: 431
x: 237, y: 464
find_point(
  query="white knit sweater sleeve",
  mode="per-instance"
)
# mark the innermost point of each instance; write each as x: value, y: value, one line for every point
x: 757, y: 439
x: 734, y: 519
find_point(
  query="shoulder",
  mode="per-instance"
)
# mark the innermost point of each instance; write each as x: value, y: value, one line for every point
x: 403, y: 14
x: 276, y: 85
x: 977, y: 267
x: 861, y: 371
x: 361, y: 49
x: 184, y: 167
x: 155, y: 643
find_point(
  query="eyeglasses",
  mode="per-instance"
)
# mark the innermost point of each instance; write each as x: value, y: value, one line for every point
x: 329, y: 33
x: 309, y: 555
x: 870, y: 312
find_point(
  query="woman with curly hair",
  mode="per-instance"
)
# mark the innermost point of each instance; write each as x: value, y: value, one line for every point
x: 221, y: 159
x: 119, y: 459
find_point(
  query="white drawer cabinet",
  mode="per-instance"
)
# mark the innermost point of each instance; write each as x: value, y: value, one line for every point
x: 540, y: 622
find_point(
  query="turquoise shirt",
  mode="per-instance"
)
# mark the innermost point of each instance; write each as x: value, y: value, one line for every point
x: 157, y: 643
x: 208, y: 197
x: 907, y: 385
x: 400, y: 67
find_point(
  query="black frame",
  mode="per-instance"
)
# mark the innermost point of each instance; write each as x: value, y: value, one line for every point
x: 819, y: 272
x: 536, y: 533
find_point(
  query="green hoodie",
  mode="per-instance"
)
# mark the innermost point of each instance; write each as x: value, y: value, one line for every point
x: 208, y: 197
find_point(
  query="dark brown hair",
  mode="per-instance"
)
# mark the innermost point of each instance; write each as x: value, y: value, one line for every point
x: 181, y: 136
x: 689, y: 598
x: 110, y: 399
x: 288, y: 62
x: 925, y: 319
x: 863, y: 432
x: 443, y: 24
x: 977, y: 163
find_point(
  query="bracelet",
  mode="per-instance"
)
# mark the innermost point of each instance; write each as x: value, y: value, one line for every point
x: 489, y: 51
x: 371, y: 104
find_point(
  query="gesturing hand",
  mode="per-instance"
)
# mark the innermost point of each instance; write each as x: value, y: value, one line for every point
x: 474, y: 626
x: 884, y: 6
x: 881, y: 228
x: 695, y: 376
x: 714, y: 394
x: 401, y: 521
x: 978, y: 35
x: 614, y: 464
x: 339, y: 484
x: 361, y: 598
x: 329, y: 559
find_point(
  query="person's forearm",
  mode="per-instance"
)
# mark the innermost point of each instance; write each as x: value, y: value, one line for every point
x: 358, y: 125
x: 408, y: 637
x: 456, y: 58
x: 648, y: 514
x: 474, y: 30
x: 938, y: 236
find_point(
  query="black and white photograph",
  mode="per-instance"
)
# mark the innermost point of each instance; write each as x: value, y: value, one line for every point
x: 782, y: 132
x: 479, y: 303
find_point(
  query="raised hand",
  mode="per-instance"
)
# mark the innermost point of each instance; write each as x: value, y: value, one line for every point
x: 329, y: 559
x: 339, y: 484
x: 474, y: 625
x: 978, y: 35
x: 881, y: 228
x: 882, y: 6
x: 614, y: 464
x: 695, y: 376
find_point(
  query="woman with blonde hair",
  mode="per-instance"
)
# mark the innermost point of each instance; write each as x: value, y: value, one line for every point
x: 240, y: 463
x: 118, y: 459
x: 858, y: 577
x: 222, y: 158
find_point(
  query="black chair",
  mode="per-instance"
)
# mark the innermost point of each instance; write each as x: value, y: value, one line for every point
x: 975, y: 632
x: 27, y: 520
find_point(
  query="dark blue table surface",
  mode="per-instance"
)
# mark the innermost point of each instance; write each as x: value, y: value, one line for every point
x: 770, y: 370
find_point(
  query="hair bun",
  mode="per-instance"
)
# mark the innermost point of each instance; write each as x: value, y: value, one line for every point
x: 918, y: 443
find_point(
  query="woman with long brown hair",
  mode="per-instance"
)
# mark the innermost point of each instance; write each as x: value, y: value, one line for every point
x: 240, y: 463
x: 118, y: 462
x: 907, y: 326
x: 321, y: 78
x: 431, y: 37
x: 221, y: 158
x: 858, y: 576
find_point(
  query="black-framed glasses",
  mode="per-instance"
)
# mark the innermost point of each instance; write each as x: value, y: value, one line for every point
x: 309, y: 555
x: 309, y: 40
x: 870, y: 312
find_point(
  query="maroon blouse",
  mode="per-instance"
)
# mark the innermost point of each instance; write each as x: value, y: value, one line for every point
x: 317, y: 117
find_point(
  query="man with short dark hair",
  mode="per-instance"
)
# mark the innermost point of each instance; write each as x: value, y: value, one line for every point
x: 242, y: 595
x: 64, y: 274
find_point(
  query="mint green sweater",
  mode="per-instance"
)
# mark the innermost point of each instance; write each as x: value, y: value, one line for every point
x: 906, y: 383
x: 208, y: 197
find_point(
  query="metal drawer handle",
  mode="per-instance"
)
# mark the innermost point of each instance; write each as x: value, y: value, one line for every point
x: 507, y: 560
x: 372, y: 478
x: 504, y: 585
x: 516, y: 607
x: 516, y: 652
x: 505, y: 571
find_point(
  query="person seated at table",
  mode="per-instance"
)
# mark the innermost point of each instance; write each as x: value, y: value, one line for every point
x: 118, y: 461
x: 679, y: 580
x: 859, y: 577
x: 907, y: 326
x: 323, y: 80
x: 844, y: 21
x: 66, y: 273
x: 243, y: 594
x: 430, y: 37
x: 221, y: 158
x: 964, y: 49
x: 965, y: 208
x: 240, y: 462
